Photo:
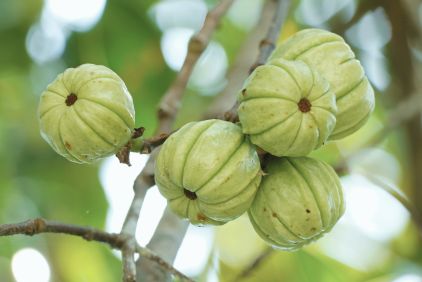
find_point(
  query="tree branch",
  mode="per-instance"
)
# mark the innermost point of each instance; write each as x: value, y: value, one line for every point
x: 148, y: 254
x: 40, y: 225
x: 169, y: 106
x: 166, y: 241
x: 142, y: 182
x: 246, y: 57
x: 167, y: 111
x: 115, y: 241
x: 171, y: 230
x: 266, y: 46
x: 170, y: 102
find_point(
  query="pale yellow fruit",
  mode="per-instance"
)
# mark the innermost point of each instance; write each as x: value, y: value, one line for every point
x: 330, y: 55
x: 86, y: 113
x: 298, y: 201
x: 208, y: 171
x: 287, y: 108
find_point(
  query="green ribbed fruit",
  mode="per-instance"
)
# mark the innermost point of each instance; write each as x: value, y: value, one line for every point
x: 298, y: 201
x: 208, y: 171
x: 287, y: 108
x: 330, y: 55
x: 86, y: 113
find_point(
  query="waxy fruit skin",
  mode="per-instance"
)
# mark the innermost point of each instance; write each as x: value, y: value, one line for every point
x: 208, y: 171
x: 330, y: 55
x: 287, y: 108
x: 86, y: 113
x: 298, y: 201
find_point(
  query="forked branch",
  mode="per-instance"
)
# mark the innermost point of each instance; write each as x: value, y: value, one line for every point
x: 166, y: 114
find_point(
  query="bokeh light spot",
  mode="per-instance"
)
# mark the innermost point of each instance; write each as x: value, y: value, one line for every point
x: 78, y: 15
x: 209, y: 73
x: 152, y: 210
x: 408, y: 278
x: 372, y: 32
x: 372, y: 210
x: 194, y: 252
x: 188, y: 14
x: 245, y: 14
x: 174, y: 46
x: 45, y: 43
x: 117, y: 181
x: 29, y: 265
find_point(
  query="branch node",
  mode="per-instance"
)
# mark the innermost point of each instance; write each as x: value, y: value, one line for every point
x: 266, y: 42
x: 38, y: 225
x: 254, y: 66
x: 231, y: 116
x: 197, y: 44
x: 89, y: 236
x: 166, y: 113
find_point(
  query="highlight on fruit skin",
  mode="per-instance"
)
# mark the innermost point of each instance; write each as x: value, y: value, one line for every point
x: 298, y: 201
x: 287, y: 108
x: 86, y: 113
x: 208, y: 171
x: 332, y: 57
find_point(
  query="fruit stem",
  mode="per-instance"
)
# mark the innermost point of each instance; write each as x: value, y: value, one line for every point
x: 137, y: 145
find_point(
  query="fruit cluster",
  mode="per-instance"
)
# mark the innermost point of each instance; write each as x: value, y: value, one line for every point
x: 312, y: 89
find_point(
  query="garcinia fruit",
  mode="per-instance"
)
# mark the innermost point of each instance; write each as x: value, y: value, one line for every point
x: 298, y: 201
x: 208, y: 171
x: 86, y: 113
x: 330, y: 55
x: 287, y: 108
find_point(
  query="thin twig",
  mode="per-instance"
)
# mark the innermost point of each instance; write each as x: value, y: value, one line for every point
x: 167, y: 111
x: 142, y: 182
x: 115, y: 241
x: 146, y: 253
x: 39, y: 225
x: 264, y: 51
x: 402, y: 113
x: 269, y: 42
x: 170, y: 103
x: 246, y: 57
x: 166, y: 241
x: 255, y: 264
x: 267, y: 45
x: 400, y: 197
x: 148, y: 145
x: 169, y: 235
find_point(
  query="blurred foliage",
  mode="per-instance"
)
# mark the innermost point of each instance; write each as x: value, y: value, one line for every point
x: 34, y: 181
